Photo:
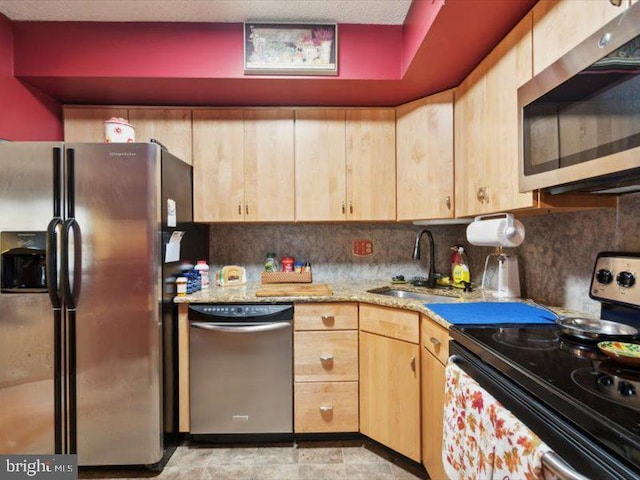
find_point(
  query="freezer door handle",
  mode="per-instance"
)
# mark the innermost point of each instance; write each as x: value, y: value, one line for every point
x: 247, y: 328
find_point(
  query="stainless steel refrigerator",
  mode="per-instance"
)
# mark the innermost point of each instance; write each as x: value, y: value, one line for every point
x: 87, y: 327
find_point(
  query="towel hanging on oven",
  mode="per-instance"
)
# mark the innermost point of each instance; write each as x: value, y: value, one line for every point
x: 481, y: 438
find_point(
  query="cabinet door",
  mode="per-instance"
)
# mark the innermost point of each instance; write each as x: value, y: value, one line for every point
x: 170, y: 126
x: 433, y: 380
x: 218, y: 165
x: 320, y: 165
x: 390, y: 393
x: 87, y: 124
x: 558, y: 26
x: 486, y: 125
x: 268, y: 165
x: 371, y: 164
x: 425, y: 158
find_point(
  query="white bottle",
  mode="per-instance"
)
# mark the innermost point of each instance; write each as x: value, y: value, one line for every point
x: 203, y: 269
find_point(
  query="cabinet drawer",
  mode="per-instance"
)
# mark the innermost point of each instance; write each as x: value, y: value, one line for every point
x: 435, y: 338
x: 326, y: 407
x: 325, y: 316
x: 390, y: 322
x: 325, y: 356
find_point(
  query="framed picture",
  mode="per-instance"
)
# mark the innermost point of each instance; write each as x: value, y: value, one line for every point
x: 290, y: 49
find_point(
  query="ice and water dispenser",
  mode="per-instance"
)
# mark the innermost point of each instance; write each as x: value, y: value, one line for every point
x: 23, y: 261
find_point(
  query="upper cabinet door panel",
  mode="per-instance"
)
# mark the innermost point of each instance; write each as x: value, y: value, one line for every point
x: 169, y: 126
x: 87, y: 124
x: 218, y: 165
x: 425, y: 158
x: 320, y: 165
x: 371, y: 164
x: 269, y: 165
x: 560, y: 25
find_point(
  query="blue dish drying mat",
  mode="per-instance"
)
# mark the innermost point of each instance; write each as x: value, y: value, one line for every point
x: 491, y: 313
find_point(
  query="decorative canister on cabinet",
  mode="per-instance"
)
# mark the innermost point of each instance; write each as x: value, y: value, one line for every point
x: 118, y: 130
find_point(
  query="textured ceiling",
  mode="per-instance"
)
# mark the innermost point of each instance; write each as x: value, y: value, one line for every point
x: 388, y: 12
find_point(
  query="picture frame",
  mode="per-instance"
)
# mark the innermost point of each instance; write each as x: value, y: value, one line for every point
x: 290, y: 49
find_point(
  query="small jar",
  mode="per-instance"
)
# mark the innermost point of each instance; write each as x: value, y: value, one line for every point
x: 297, y: 267
x: 270, y: 262
x: 287, y: 264
x: 181, y: 286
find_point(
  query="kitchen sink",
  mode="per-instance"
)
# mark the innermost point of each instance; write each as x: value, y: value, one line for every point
x: 430, y: 297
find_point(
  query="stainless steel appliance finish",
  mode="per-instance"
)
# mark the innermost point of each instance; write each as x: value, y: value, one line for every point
x: 81, y: 367
x: 241, y: 369
x: 577, y: 117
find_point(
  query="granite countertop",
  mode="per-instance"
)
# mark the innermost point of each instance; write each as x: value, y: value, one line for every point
x: 354, y: 292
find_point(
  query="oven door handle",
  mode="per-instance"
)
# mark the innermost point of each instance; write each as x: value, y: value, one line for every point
x: 554, y: 467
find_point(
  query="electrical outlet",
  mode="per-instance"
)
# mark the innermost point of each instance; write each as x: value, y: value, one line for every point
x: 362, y: 248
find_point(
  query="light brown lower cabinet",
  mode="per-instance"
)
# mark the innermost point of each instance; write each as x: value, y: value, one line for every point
x: 390, y: 393
x: 434, y: 352
x: 432, y: 411
x: 326, y: 407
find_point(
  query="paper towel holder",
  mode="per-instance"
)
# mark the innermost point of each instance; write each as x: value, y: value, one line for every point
x: 499, y: 230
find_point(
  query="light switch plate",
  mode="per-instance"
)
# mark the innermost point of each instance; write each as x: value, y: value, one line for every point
x: 362, y: 248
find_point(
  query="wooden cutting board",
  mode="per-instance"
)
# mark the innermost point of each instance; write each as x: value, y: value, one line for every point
x: 293, y: 290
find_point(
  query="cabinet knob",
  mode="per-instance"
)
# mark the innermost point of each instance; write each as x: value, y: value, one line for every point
x: 482, y: 195
x: 447, y: 202
x: 326, y: 358
x: 435, y: 341
x: 326, y: 408
x: 328, y: 319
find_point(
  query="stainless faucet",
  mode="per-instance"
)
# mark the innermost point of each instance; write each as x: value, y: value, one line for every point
x: 431, y: 279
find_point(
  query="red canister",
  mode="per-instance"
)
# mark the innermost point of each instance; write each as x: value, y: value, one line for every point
x: 287, y: 264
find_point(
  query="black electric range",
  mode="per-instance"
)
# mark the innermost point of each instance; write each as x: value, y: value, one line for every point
x: 583, y: 404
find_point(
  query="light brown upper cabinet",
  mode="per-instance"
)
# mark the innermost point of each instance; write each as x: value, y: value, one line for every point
x: 371, y: 164
x: 345, y: 164
x: 424, y: 133
x: 558, y: 26
x: 268, y: 165
x: 243, y: 165
x: 486, y: 128
x: 169, y: 126
x: 87, y: 124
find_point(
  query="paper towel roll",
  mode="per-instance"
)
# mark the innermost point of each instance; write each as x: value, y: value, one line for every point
x: 496, y: 232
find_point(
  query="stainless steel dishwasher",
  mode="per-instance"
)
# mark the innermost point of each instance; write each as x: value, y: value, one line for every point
x: 241, y: 369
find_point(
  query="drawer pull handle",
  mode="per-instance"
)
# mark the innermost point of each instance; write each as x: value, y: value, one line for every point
x: 328, y: 319
x: 435, y: 341
x: 326, y: 358
x: 326, y: 408
x: 413, y: 364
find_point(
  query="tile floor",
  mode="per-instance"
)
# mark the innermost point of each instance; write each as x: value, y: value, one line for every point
x: 335, y: 460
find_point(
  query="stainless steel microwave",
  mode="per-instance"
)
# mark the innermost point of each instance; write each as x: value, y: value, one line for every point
x: 580, y: 117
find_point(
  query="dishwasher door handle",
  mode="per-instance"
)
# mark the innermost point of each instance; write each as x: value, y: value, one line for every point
x: 243, y: 328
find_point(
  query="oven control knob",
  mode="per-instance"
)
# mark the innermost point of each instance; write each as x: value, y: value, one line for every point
x: 604, y: 276
x: 626, y: 279
x: 626, y: 389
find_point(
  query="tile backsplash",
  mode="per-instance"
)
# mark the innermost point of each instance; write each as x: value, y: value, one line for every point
x: 556, y: 258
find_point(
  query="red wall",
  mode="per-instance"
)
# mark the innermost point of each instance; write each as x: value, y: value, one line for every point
x: 25, y: 113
